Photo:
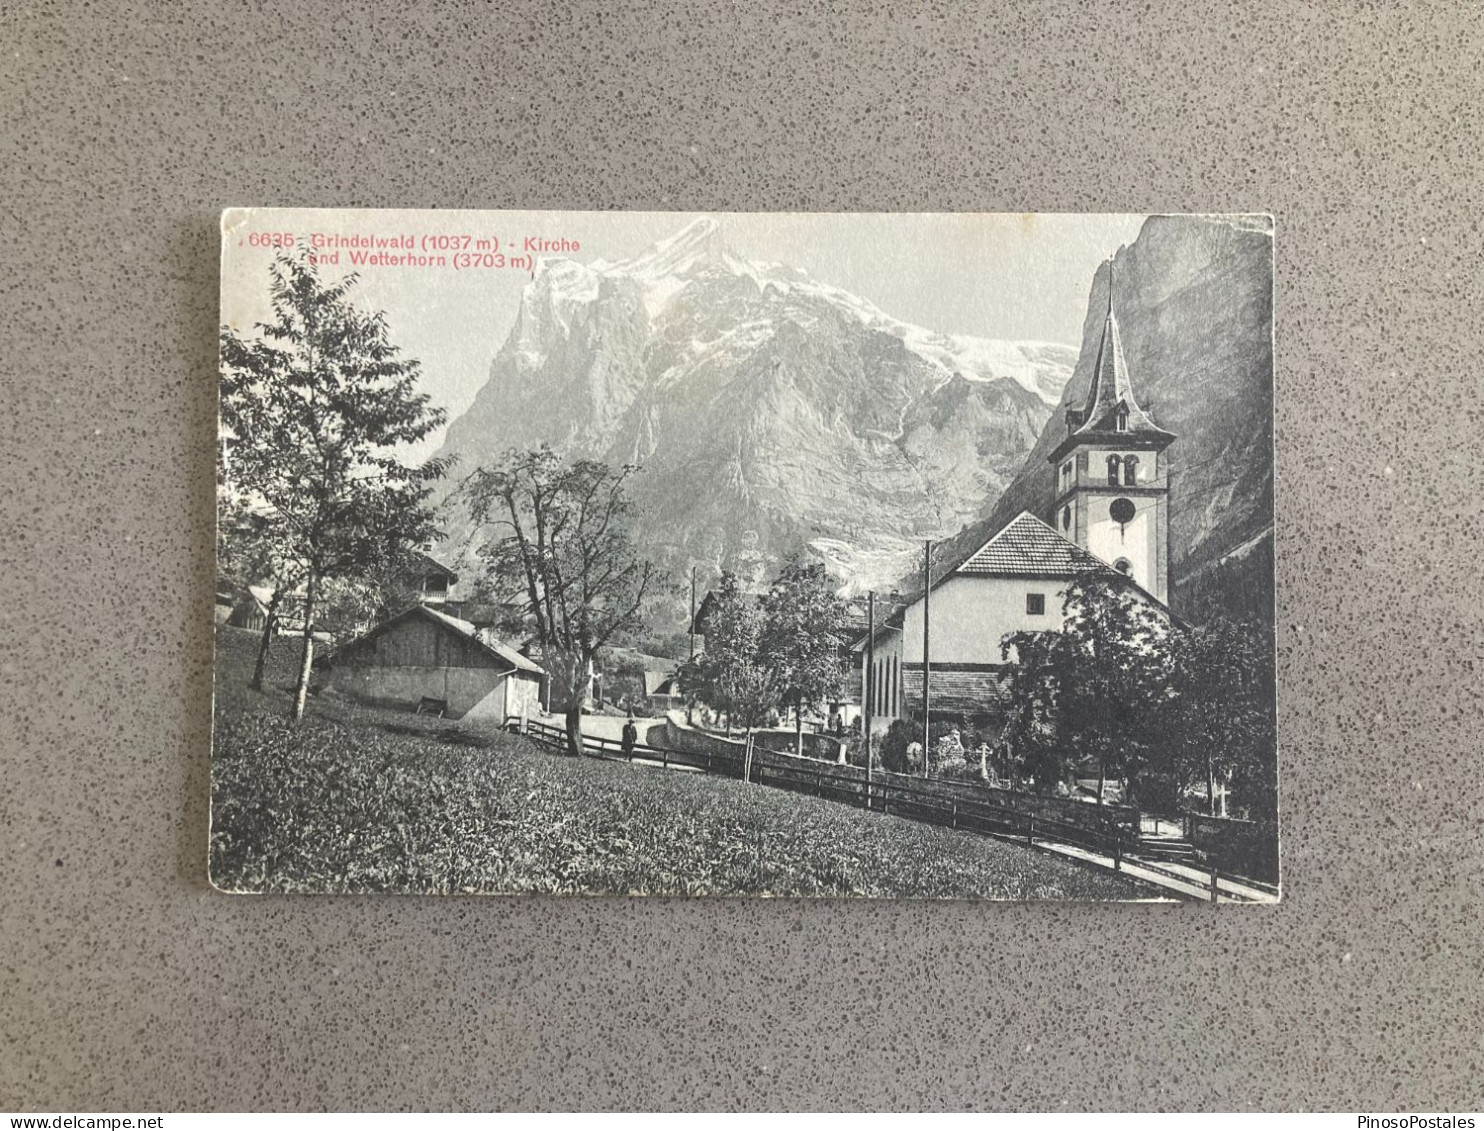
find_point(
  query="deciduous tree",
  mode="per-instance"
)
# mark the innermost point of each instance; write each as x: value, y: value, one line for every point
x: 804, y: 621
x: 1114, y: 676
x: 315, y: 406
x: 1220, y: 723
x: 559, y: 550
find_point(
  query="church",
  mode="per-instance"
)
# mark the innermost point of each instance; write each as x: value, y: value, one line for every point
x: 1108, y: 513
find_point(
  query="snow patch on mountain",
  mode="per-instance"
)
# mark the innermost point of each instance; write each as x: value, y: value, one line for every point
x: 671, y: 265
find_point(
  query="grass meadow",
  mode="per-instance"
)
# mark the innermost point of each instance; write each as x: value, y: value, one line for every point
x: 359, y: 799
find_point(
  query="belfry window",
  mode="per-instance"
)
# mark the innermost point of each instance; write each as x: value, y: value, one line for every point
x: 1130, y: 470
x: 1123, y: 420
x: 1066, y: 518
x: 1113, y: 471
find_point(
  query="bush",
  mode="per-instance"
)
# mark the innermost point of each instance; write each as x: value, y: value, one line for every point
x: 894, y: 743
x: 948, y: 754
x: 855, y: 752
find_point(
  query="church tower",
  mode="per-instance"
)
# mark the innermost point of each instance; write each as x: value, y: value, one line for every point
x: 1112, y: 477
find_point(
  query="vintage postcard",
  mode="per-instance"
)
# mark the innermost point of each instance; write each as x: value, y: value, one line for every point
x: 746, y: 554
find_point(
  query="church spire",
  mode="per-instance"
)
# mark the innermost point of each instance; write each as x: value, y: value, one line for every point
x: 1111, y: 411
x: 1111, y: 479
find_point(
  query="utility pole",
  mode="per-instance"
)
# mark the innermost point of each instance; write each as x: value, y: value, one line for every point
x: 690, y: 699
x: 693, y: 612
x: 869, y: 685
x: 927, y: 592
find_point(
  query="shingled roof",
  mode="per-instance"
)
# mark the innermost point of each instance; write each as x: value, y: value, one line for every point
x: 463, y: 628
x: 979, y: 692
x: 1024, y: 547
x: 1027, y: 547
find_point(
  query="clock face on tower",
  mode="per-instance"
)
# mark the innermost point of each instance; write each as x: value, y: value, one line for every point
x: 1121, y: 511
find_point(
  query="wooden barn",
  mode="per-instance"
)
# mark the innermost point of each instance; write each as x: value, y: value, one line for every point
x: 424, y: 659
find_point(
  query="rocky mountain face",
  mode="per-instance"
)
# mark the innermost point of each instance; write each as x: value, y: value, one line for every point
x: 769, y: 411
x: 1193, y: 298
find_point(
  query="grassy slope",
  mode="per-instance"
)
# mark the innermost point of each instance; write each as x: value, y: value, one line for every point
x: 362, y: 800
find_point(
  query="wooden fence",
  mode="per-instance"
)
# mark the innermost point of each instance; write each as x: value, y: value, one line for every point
x: 885, y: 793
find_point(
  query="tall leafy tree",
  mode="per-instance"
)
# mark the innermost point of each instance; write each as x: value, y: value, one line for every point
x: 559, y: 550
x: 1220, y: 722
x: 732, y: 673
x: 315, y: 406
x: 1031, y: 734
x: 1113, y: 676
x: 804, y: 622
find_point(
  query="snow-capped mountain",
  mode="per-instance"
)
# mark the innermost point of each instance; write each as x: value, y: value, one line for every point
x: 768, y: 409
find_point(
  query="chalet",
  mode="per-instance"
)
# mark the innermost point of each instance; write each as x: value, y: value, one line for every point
x: 1107, y: 515
x: 424, y: 659
x: 429, y: 578
x: 253, y: 604
x: 662, y: 690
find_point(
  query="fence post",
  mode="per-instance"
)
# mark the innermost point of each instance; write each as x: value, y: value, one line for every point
x: 1215, y: 887
x: 953, y: 820
x: 1030, y: 829
x: 1117, y: 853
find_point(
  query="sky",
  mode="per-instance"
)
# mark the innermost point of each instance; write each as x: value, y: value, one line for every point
x: 1021, y: 277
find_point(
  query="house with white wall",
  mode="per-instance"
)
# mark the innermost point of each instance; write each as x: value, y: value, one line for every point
x: 1107, y: 514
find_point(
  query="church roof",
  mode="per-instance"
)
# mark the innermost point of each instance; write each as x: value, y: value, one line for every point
x: 1111, y: 393
x: 1024, y: 547
x: 1027, y: 547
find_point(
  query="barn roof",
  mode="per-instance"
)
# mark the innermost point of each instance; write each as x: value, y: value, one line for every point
x: 502, y: 652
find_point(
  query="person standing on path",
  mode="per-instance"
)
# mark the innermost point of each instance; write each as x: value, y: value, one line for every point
x: 630, y: 737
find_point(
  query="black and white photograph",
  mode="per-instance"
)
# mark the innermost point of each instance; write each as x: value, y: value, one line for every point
x: 746, y: 554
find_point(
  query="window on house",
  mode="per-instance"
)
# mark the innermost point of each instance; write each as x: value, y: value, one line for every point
x: 1035, y: 604
x: 435, y: 583
x: 1130, y: 470
x: 1113, y: 471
